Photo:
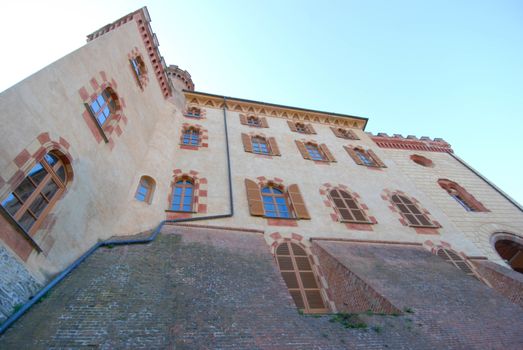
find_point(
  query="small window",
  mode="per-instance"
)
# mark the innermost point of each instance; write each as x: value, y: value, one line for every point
x: 191, y: 137
x: 145, y: 190
x: 347, y: 207
x: 296, y: 269
x: 259, y: 145
x: 460, y: 195
x: 138, y: 66
x: 275, y: 203
x: 421, y: 160
x: 253, y: 121
x: 364, y: 157
x: 511, y: 250
x: 314, y: 152
x: 34, y: 197
x: 105, y: 104
x: 454, y: 259
x: 344, y: 133
x: 411, y: 212
x: 183, y: 195
x: 301, y: 128
x: 193, y: 112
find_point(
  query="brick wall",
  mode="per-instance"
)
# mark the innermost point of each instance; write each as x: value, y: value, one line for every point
x: 507, y: 282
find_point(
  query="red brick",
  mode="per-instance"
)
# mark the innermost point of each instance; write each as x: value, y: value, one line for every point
x: 22, y: 158
x: 94, y: 84
x: 281, y: 222
x: 43, y: 138
x: 64, y: 143
x: 84, y: 95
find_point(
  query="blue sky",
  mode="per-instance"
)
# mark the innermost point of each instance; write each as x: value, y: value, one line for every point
x: 450, y: 69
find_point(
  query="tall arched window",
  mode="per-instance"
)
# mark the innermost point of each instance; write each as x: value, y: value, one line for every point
x: 104, y: 105
x: 454, y: 259
x: 411, y: 212
x: 347, y: 207
x: 259, y: 145
x: 33, y: 199
x: 296, y: 270
x: 191, y: 137
x: 314, y: 151
x: 145, y: 190
x: 460, y: 195
x: 275, y: 203
x: 183, y: 195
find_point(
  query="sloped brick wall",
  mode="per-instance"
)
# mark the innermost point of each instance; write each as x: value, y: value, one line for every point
x: 507, y: 282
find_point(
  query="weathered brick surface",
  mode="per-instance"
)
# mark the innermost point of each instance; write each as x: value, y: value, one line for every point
x: 452, y: 309
x: 507, y: 282
x: 192, y: 289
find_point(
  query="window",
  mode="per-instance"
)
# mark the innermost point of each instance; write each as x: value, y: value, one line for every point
x: 423, y: 161
x: 454, y: 259
x: 301, y: 127
x: 411, y: 212
x: 364, y: 157
x: 510, y: 248
x: 191, y: 137
x: 138, y: 66
x: 275, y: 201
x: 103, y: 106
x: 344, y: 133
x: 313, y: 151
x: 296, y: 270
x: 33, y: 199
x: 260, y: 145
x: 254, y: 121
x: 145, y: 190
x: 347, y: 207
x: 460, y: 195
x: 183, y: 195
x: 193, y: 112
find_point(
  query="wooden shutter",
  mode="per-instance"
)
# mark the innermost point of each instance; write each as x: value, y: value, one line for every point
x: 352, y: 135
x: 353, y: 155
x: 303, y: 150
x: 310, y: 129
x: 263, y: 122
x: 254, y: 198
x: 292, y: 125
x: 243, y: 119
x: 297, y: 202
x: 336, y: 132
x: 327, y: 152
x: 275, y: 150
x: 376, y: 159
x: 247, y: 144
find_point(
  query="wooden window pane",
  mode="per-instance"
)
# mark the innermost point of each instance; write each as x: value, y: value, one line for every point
x: 11, y: 204
x: 308, y: 280
x: 285, y: 263
x: 27, y: 221
x: 297, y: 250
x: 358, y: 215
x: 298, y: 299
x: 290, y: 279
x: 25, y: 189
x: 345, y: 214
x: 314, y: 299
x: 302, y: 263
x: 38, y: 205
x: 283, y: 249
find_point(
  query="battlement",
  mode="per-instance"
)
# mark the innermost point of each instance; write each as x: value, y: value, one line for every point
x: 411, y: 142
x: 175, y: 72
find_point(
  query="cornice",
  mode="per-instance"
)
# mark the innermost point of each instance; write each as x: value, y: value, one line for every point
x: 271, y: 110
x: 142, y: 19
x: 411, y: 143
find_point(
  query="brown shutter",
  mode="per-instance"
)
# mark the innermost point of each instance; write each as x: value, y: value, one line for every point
x: 352, y: 135
x: 263, y: 122
x: 327, y: 152
x: 243, y: 119
x: 353, y: 155
x: 254, y: 198
x: 297, y: 202
x: 301, y: 147
x: 336, y: 132
x: 310, y: 129
x: 292, y: 125
x: 247, y: 144
x: 376, y: 159
x: 275, y: 150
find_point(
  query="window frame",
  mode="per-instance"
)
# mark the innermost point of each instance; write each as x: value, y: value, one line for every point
x: 315, y: 149
x: 191, y: 134
x: 182, y: 183
x: 410, y: 212
x: 257, y: 146
x: 149, y: 189
x: 347, y: 207
x: 110, y: 102
x: 272, y: 197
x: 191, y: 114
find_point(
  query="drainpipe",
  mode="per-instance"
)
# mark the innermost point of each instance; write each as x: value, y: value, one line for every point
x: 14, y: 317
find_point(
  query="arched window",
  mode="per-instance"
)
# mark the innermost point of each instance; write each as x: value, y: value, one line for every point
x: 275, y: 203
x: 253, y: 121
x: 191, y: 137
x: 33, y: 199
x: 183, y: 195
x: 138, y: 66
x: 104, y: 105
x: 347, y: 207
x: 511, y: 251
x: 314, y: 151
x: 259, y: 145
x: 421, y: 160
x: 460, y: 195
x: 296, y: 270
x: 411, y: 212
x: 454, y: 259
x: 145, y: 190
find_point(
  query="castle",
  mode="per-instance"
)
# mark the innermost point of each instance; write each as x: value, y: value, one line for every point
x: 109, y: 141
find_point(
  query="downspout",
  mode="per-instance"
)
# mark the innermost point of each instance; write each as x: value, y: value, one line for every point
x: 14, y: 317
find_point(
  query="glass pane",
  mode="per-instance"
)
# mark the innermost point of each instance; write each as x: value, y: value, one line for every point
x: 308, y: 280
x: 61, y: 174
x: 142, y: 190
x: 267, y: 199
x: 178, y: 191
x: 345, y: 214
x: 339, y: 202
x: 11, y: 204
x: 101, y: 119
x: 187, y: 208
x: 290, y: 279
x: 187, y: 200
x: 50, y: 189
x: 140, y: 196
x: 282, y: 208
x: 37, y: 173
x: 106, y: 111
x: 271, y: 214
x: 26, y: 221
x: 413, y: 209
x: 359, y: 215
x: 100, y: 99
x: 188, y: 191
x: 95, y: 107
x: 38, y: 205
x: 352, y: 204
x: 24, y: 190
x: 269, y: 206
x: 280, y: 200
x: 284, y: 215
x: 275, y: 190
x: 266, y: 190
x: 51, y: 159
x: 176, y: 200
